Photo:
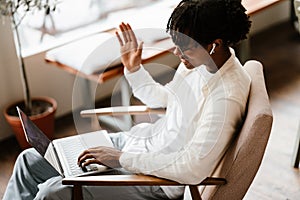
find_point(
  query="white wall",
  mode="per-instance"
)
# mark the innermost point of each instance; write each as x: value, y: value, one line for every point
x: 47, y: 80
x: 10, y: 84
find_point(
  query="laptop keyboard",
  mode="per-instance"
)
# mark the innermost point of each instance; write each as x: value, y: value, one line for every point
x: 72, y: 149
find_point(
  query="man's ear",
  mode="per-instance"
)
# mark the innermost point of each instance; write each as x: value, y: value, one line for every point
x: 214, y: 46
x: 218, y: 42
x: 212, y: 50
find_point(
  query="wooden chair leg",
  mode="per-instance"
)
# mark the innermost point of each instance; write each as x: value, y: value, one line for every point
x: 296, y: 155
x: 195, y: 192
x: 77, y: 192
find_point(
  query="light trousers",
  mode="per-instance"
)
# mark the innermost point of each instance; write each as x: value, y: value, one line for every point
x: 34, y: 178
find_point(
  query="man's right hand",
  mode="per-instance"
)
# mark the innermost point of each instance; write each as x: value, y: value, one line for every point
x: 131, y: 51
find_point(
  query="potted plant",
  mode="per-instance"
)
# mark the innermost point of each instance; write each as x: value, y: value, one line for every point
x: 41, y: 110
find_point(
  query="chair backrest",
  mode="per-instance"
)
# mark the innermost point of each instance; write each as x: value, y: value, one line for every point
x: 297, y: 12
x: 243, y: 158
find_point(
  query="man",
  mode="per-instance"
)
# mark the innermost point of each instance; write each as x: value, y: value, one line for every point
x: 205, y: 102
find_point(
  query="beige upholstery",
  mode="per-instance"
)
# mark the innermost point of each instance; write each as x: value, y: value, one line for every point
x: 297, y: 12
x: 241, y: 161
x: 244, y: 156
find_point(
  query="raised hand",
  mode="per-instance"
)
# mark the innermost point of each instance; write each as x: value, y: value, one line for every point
x: 131, y: 51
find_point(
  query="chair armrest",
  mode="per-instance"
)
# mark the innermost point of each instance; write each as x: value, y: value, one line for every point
x: 118, y: 180
x: 129, y: 180
x: 132, y: 180
x: 121, y: 110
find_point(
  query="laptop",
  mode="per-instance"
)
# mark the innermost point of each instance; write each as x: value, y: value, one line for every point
x: 63, y: 153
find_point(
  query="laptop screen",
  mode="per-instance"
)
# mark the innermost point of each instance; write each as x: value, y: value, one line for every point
x: 34, y: 136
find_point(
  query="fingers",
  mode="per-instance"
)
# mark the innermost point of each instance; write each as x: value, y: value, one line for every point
x: 131, y: 35
x: 124, y: 31
x: 90, y: 161
x: 119, y: 38
x: 101, y: 155
x: 84, y: 156
x: 89, y: 156
x: 127, y: 34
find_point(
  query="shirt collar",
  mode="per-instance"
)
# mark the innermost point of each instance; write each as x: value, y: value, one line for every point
x: 228, y: 65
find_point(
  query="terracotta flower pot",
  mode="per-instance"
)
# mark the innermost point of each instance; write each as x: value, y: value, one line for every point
x: 44, y: 120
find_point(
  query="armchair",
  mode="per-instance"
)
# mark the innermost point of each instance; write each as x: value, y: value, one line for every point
x: 296, y: 12
x: 239, y: 165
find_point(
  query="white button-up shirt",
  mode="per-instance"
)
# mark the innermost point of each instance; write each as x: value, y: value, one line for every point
x: 203, y: 112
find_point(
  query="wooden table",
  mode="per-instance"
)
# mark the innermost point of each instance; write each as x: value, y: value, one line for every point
x: 124, y: 122
x: 256, y: 6
x: 113, y: 71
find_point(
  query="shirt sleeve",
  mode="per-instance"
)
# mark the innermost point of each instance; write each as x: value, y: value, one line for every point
x: 146, y: 89
x: 199, y: 156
